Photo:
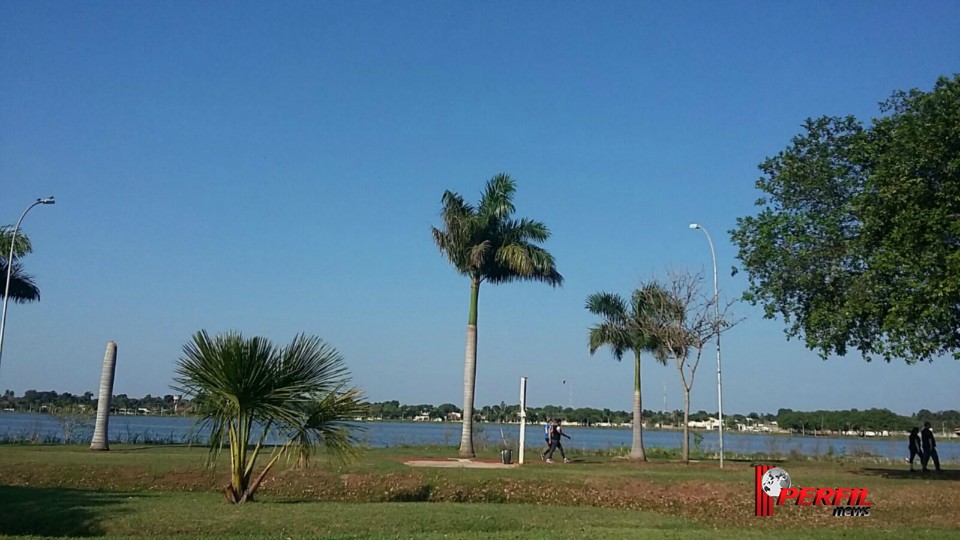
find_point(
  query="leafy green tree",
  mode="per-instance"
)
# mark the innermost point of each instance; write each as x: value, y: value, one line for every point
x: 390, y: 409
x: 407, y: 412
x: 588, y: 416
x: 857, y: 241
x: 700, y: 416
x: 485, y: 243
x: 622, y: 329
x: 22, y: 287
x: 245, y: 389
x: 447, y: 408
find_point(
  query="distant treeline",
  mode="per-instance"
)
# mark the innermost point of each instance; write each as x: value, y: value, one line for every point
x: 50, y: 401
x: 393, y: 410
x: 799, y: 421
x: 863, y: 421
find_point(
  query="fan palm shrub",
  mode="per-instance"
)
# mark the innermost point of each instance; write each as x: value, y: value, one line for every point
x: 245, y: 390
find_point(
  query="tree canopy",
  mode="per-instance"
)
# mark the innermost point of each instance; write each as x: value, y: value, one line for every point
x: 856, y: 241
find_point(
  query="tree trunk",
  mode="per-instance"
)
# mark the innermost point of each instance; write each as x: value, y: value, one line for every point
x: 470, y: 374
x: 686, y: 425
x: 469, y: 384
x: 100, y: 439
x: 636, y: 451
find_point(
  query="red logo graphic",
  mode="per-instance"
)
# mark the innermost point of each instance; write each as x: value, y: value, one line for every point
x: 764, y: 502
x: 775, y: 482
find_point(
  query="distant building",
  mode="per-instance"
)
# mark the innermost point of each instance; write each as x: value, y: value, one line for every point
x: 709, y: 423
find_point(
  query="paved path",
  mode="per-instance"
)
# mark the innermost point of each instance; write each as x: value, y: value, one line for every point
x: 455, y: 463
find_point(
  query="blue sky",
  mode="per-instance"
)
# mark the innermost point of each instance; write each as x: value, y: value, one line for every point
x: 275, y: 167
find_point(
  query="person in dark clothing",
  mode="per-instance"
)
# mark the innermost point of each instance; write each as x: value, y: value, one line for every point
x: 929, y: 446
x: 914, y: 446
x: 555, y: 434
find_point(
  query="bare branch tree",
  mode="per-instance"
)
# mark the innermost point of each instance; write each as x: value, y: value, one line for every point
x: 683, y: 320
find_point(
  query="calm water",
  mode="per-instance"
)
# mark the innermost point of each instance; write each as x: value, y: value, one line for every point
x: 170, y: 429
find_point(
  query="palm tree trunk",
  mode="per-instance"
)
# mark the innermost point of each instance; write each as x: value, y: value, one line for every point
x: 686, y: 425
x: 100, y: 439
x: 637, y: 452
x: 470, y: 373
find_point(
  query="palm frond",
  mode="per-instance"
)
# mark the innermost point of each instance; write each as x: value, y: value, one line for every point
x: 523, y: 262
x: 459, y: 233
x: 329, y: 423
x: 525, y: 230
x: 455, y: 209
x: 22, y: 246
x: 479, y: 254
x: 610, y: 306
x: 22, y: 287
x: 497, y: 198
x: 609, y: 334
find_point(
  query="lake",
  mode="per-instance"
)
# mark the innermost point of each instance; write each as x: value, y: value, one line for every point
x: 177, y: 429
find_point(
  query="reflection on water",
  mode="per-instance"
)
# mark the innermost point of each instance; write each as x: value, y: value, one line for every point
x: 174, y: 429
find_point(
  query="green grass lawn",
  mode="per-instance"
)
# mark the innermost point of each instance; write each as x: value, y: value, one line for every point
x: 163, y: 491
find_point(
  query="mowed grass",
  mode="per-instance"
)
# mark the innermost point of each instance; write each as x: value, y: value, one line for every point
x: 164, y: 491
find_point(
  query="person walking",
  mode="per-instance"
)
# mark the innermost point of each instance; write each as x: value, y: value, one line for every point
x: 929, y: 447
x: 546, y: 438
x: 914, y: 446
x: 555, y: 433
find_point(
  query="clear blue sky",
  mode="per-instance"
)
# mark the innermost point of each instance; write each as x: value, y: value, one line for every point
x: 275, y: 167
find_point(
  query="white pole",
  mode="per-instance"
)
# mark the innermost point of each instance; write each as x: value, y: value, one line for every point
x: 523, y: 417
x: 716, y: 306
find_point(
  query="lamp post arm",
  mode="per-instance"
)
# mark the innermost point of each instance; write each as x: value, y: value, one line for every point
x: 6, y: 287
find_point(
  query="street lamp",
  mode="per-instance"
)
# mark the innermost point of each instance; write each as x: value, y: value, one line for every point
x: 6, y: 289
x: 716, y: 305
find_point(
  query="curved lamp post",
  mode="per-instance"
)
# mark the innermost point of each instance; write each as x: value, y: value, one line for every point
x: 716, y: 322
x: 6, y: 289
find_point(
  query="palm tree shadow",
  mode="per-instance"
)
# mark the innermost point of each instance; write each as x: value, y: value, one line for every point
x: 906, y: 474
x: 53, y: 511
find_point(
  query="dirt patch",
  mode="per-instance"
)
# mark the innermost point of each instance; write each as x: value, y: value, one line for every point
x: 458, y: 463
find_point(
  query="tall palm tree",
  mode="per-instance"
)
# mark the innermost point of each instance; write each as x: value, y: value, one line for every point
x: 485, y: 243
x: 22, y: 287
x: 246, y: 389
x: 622, y: 329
